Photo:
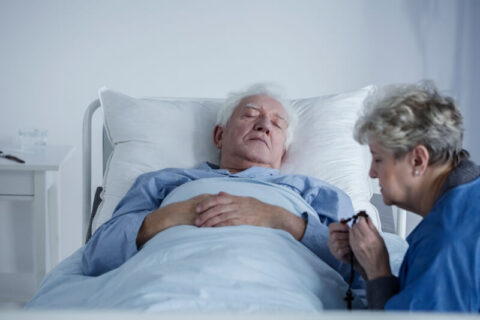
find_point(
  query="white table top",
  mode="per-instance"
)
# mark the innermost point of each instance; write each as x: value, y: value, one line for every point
x: 48, y: 158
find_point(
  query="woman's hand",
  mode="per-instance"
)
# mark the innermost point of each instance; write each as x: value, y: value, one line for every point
x: 369, y: 249
x: 339, y: 245
x: 338, y: 241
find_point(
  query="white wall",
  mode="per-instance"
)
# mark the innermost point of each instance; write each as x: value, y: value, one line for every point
x: 55, y: 54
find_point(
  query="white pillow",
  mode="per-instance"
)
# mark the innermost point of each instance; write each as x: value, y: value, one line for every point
x: 151, y: 134
x: 324, y: 147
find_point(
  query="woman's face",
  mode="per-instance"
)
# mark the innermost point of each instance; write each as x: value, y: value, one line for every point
x: 394, y: 175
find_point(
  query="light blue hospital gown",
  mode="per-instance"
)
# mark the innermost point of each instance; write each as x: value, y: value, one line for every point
x: 115, y: 241
x: 441, y: 269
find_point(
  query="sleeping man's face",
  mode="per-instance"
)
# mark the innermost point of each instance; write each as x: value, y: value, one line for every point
x: 254, y: 136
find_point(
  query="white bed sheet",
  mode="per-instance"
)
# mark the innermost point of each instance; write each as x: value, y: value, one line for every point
x: 189, y: 269
x: 184, y: 268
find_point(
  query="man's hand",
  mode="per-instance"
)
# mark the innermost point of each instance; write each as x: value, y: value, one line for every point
x: 175, y: 214
x: 224, y: 209
x: 369, y: 249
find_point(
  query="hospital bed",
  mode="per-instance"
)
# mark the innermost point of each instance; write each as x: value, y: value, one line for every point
x: 142, y: 135
x: 335, y: 119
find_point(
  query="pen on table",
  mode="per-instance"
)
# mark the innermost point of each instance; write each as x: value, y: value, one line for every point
x: 10, y: 157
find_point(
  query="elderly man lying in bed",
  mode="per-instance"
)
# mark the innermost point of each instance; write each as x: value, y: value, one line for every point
x: 246, y: 190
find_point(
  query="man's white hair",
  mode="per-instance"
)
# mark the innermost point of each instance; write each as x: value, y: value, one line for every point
x: 271, y: 90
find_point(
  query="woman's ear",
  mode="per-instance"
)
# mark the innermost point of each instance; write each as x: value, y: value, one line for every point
x: 420, y: 159
x: 217, y: 136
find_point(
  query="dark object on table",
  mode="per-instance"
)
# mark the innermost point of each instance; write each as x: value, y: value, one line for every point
x: 10, y: 157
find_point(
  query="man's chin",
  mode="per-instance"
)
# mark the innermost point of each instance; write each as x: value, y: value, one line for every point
x: 259, y: 161
x: 258, y: 144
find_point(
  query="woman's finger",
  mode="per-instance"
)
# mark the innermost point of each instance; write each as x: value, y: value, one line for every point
x: 338, y: 227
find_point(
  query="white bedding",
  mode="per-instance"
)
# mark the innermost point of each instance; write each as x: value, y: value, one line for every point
x: 228, y: 269
x: 185, y: 268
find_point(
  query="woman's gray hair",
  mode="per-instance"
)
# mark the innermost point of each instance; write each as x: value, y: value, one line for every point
x: 403, y: 116
x: 265, y: 89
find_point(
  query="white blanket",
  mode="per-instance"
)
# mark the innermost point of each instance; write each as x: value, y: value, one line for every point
x: 185, y: 268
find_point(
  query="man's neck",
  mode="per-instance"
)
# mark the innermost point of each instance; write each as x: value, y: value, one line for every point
x: 241, y: 166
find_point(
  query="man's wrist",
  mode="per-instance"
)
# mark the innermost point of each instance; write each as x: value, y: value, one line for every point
x: 152, y: 224
x: 291, y: 223
x: 142, y: 236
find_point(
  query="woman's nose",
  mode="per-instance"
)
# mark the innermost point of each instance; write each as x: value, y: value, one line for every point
x: 372, y: 173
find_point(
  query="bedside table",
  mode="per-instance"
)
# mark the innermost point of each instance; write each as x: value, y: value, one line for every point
x: 37, y: 180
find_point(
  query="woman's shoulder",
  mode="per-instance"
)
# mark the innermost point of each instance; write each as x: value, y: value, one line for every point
x: 460, y: 205
x: 453, y: 220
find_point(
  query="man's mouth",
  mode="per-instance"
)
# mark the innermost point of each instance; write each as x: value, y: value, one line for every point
x: 261, y: 140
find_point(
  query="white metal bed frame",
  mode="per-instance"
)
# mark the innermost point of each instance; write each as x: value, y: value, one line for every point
x: 401, y: 215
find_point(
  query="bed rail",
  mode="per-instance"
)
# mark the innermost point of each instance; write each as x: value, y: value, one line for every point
x: 87, y: 165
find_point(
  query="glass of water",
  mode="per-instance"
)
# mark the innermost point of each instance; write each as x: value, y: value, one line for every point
x: 32, y: 139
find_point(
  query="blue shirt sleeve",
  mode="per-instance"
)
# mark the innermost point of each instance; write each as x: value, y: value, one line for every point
x: 114, y: 242
x: 316, y: 232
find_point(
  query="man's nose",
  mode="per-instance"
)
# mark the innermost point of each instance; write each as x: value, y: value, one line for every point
x: 263, y: 124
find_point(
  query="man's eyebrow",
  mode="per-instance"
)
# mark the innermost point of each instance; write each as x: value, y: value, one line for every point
x: 250, y: 105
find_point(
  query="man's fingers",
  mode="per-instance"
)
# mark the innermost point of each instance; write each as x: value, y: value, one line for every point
x: 215, y: 216
x: 211, y: 213
x: 228, y: 223
x: 212, y: 201
x: 212, y: 221
x: 224, y: 194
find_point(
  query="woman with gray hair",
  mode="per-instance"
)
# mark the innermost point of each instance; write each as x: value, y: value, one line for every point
x: 415, y: 137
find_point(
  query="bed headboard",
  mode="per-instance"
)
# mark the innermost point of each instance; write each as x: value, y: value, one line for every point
x: 108, y: 147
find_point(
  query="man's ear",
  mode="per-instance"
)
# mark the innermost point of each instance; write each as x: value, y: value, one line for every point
x: 419, y: 160
x: 218, y: 136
